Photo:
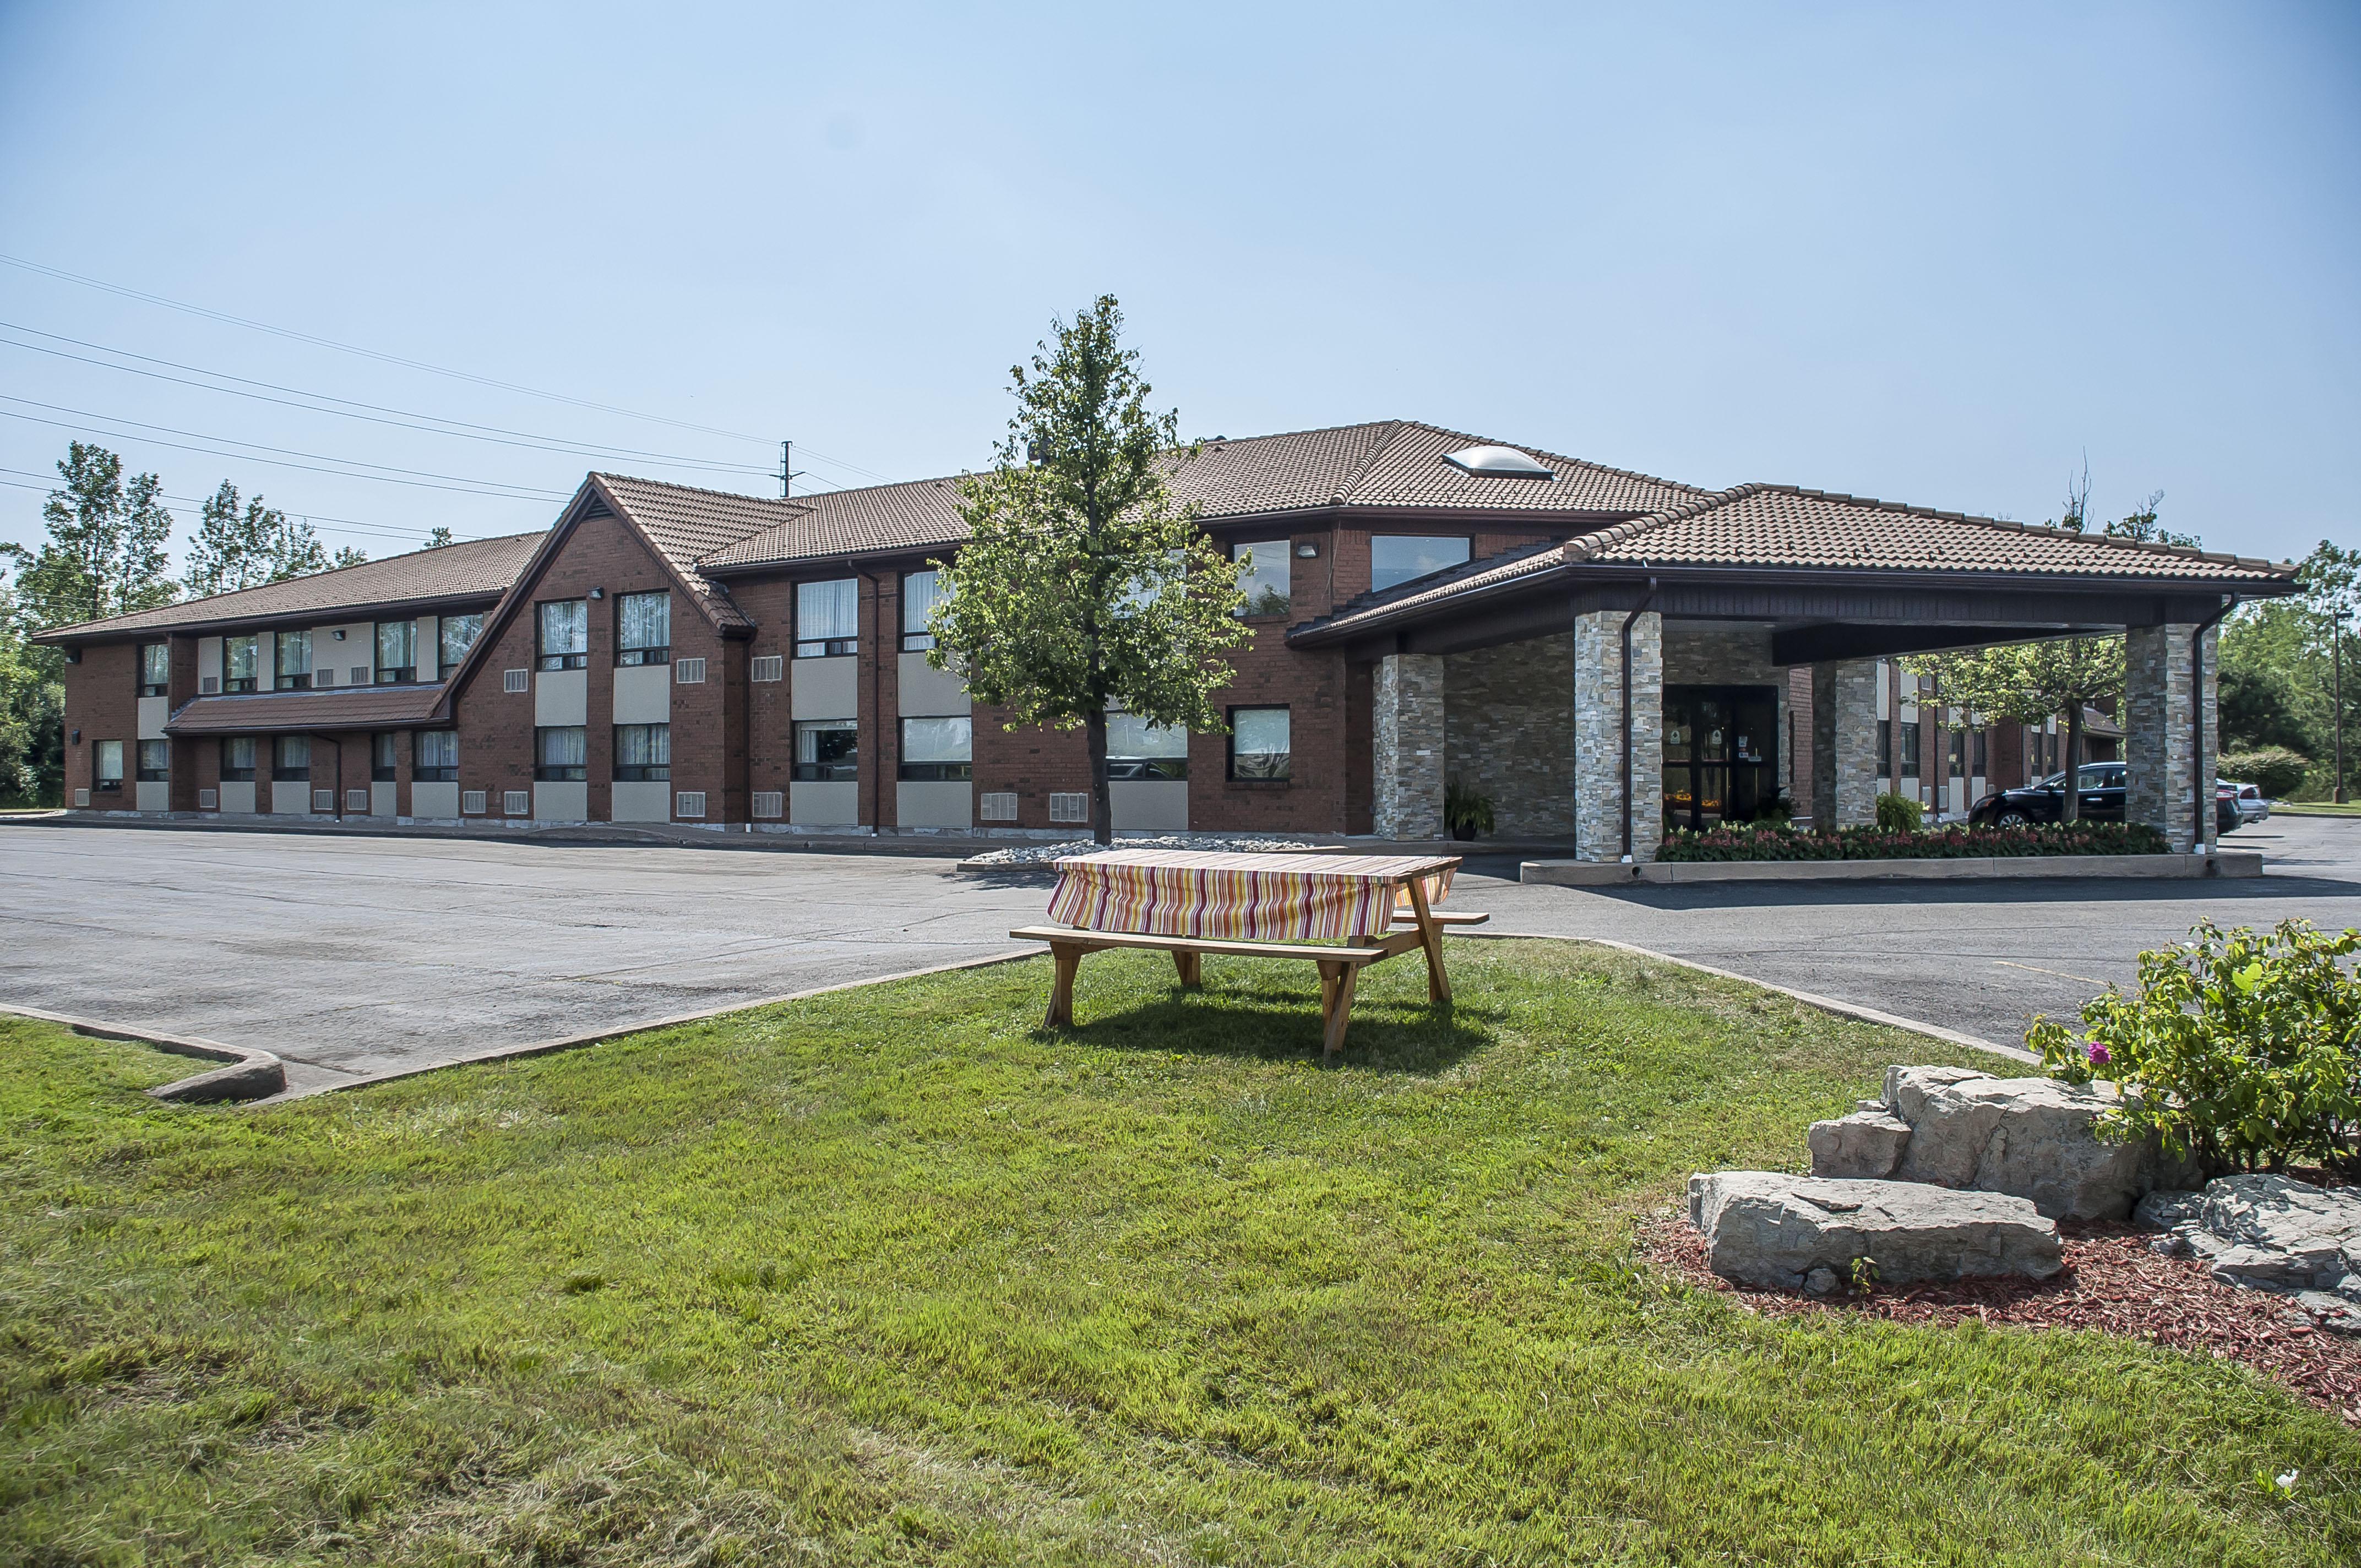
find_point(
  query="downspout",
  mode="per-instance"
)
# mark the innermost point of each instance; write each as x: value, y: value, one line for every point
x: 1641, y: 609
x: 2197, y: 718
x: 338, y: 741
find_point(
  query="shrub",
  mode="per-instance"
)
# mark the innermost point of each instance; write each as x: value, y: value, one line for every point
x: 2239, y: 1051
x: 1464, y: 810
x: 2276, y: 770
x: 1958, y: 841
x: 1899, y: 814
x: 1776, y: 812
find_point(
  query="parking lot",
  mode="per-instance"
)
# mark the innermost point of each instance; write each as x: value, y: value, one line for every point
x: 355, y: 956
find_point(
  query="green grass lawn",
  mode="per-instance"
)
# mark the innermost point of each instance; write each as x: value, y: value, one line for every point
x: 2314, y: 808
x: 890, y: 1276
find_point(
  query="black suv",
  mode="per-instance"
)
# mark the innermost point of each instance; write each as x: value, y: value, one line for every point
x: 2101, y: 787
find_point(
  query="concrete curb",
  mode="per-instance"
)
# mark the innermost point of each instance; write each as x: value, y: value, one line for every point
x: 1610, y: 873
x: 250, y: 1075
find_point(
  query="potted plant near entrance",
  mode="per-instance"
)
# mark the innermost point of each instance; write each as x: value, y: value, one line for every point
x: 1465, y: 812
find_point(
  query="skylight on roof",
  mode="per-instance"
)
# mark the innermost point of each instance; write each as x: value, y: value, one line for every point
x: 1496, y: 462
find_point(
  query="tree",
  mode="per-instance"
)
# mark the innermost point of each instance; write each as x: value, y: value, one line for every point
x: 105, y: 553
x: 2029, y: 682
x: 2280, y: 659
x: 237, y: 549
x: 1081, y: 586
x: 439, y: 538
x: 32, y: 710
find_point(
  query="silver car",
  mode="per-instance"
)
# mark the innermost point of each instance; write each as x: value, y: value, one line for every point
x: 2252, y: 807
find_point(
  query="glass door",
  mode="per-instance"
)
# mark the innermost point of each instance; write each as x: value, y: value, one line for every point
x: 1722, y: 753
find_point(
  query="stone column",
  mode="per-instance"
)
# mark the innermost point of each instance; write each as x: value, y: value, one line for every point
x: 2163, y: 782
x: 1598, y: 735
x: 1844, y: 744
x: 1406, y: 699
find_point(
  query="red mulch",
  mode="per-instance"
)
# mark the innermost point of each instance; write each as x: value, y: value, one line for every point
x: 2111, y: 1282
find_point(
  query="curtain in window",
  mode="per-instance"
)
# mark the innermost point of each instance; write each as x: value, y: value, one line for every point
x: 1259, y: 743
x: 438, y: 748
x: 828, y: 613
x: 642, y: 745
x: 294, y: 752
x: 107, y: 759
x: 294, y: 653
x: 238, y: 655
x: 397, y: 645
x: 381, y: 753
x: 155, y: 665
x: 645, y: 620
x: 458, y: 633
x: 565, y: 746
x: 938, y: 740
x: 921, y: 591
x: 565, y: 626
x: 237, y: 755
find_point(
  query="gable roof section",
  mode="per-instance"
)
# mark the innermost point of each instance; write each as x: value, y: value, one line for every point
x: 1387, y: 464
x: 683, y: 524
x: 478, y: 568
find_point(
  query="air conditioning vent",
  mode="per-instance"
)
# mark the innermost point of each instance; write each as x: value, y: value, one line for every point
x: 325, y: 677
x: 1070, y: 809
x: 208, y: 800
x: 356, y: 800
x: 768, y: 667
x: 358, y: 675
x: 516, y: 680
x: 323, y: 800
x: 690, y: 802
x: 82, y: 797
x: 690, y: 671
x: 516, y: 803
x: 769, y: 804
x: 471, y: 802
x: 209, y: 686
x: 998, y: 807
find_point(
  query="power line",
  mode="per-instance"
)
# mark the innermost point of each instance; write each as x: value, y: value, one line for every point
x: 211, y: 315
x: 195, y: 508
x: 467, y: 431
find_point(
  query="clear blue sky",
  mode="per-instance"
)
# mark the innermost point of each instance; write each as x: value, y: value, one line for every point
x: 1933, y: 253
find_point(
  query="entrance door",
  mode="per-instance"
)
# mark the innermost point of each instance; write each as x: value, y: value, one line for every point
x: 1722, y: 753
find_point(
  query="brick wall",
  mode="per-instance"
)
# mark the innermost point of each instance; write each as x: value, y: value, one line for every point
x: 102, y: 702
x: 1508, y: 732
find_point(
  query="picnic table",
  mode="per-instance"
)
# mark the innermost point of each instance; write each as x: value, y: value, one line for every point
x: 1341, y: 913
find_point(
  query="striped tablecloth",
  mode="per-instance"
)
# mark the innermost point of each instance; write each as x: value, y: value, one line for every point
x: 1253, y: 898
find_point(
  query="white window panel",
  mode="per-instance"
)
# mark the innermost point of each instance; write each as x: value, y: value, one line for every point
x: 768, y: 667
x: 999, y: 807
x: 770, y: 803
x: 689, y: 672
x: 472, y: 802
x: 516, y: 801
x: 1070, y: 809
x: 689, y: 802
x: 516, y: 680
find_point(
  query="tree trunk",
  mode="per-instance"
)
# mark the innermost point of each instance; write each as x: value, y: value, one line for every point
x: 1102, y: 813
x: 2072, y: 810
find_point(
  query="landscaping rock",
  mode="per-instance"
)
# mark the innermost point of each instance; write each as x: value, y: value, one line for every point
x: 2031, y: 1138
x: 1865, y: 1144
x: 2267, y: 1233
x: 1906, y: 1087
x: 2167, y: 1208
x: 1763, y: 1228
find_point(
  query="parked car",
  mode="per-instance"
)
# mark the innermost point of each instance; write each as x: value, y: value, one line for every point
x: 2252, y: 807
x: 2101, y: 786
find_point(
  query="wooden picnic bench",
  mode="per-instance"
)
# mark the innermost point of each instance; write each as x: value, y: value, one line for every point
x: 1195, y: 903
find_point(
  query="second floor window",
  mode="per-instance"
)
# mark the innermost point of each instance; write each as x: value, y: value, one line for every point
x: 154, y: 668
x: 565, y: 634
x: 1397, y: 558
x: 644, y: 628
x: 828, y: 618
x: 238, y: 759
x: 1262, y: 577
x: 561, y: 753
x: 453, y: 636
x: 397, y: 651
x: 921, y: 591
x: 290, y: 758
x: 240, y: 664
x: 1909, y: 748
x: 643, y: 752
x: 384, y: 763
x: 294, y: 666
x: 437, y: 756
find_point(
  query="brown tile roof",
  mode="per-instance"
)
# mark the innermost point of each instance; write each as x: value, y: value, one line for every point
x: 685, y: 524
x: 478, y: 568
x: 341, y: 708
x: 1391, y: 464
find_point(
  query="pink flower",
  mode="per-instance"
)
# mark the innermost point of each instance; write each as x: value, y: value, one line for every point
x: 2099, y: 1057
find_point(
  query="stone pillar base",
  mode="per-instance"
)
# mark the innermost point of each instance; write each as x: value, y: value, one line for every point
x: 1406, y: 702
x: 1844, y: 744
x: 1598, y: 735
x: 2165, y: 784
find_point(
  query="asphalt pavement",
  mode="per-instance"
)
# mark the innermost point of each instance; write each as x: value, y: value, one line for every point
x: 355, y: 956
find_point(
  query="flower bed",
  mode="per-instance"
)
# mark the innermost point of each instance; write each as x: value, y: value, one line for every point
x: 1765, y: 842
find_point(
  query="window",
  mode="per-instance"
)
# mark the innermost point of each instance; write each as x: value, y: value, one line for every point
x: 1262, y: 575
x: 1984, y: 754
x: 828, y: 618
x: 828, y: 750
x: 561, y: 753
x: 766, y: 667
x: 154, y: 761
x: 1884, y: 744
x: 154, y: 668
x: 1138, y: 750
x: 921, y: 591
x: 1259, y: 743
x: 1958, y: 753
x: 565, y: 634
x: 106, y: 764
x: 383, y: 766
x: 454, y: 637
x: 644, y: 628
x: 294, y: 660
x: 938, y: 749
x: 397, y: 652
x: 643, y: 752
x: 1909, y: 748
x: 239, y: 658
x: 290, y: 758
x: 238, y: 759
x: 435, y: 758
x: 1396, y: 558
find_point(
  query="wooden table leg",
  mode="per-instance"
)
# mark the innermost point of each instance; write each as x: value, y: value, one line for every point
x: 1338, y: 989
x: 1191, y: 967
x: 1067, y: 958
x: 1430, y: 937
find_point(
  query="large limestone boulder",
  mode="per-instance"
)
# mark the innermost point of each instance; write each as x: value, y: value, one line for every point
x: 1766, y: 1229
x: 2267, y: 1233
x: 1865, y: 1145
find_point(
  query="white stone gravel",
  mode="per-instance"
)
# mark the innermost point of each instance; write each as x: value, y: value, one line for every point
x: 1041, y: 854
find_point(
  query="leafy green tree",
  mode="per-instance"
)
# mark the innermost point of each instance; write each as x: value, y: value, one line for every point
x: 1082, y: 586
x: 32, y: 711
x: 105, y: 551
x: 2279, y: 661
x: 2029, y: 681
x: 439, y: 538
x: 246, y: 548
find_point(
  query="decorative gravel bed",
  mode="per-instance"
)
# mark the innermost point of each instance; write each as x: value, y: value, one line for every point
x: 2111, y: 1283
x: 1041, y: 854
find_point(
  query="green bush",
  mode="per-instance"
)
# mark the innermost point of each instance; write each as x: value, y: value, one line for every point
x: 1899, y: 814
x: 1464, y: 811
x: 2239, y: 1051
x: 2276, y: 770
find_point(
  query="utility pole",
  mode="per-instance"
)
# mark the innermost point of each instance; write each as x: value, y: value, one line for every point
x: 787, y: 468
x: 2336, y: 618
